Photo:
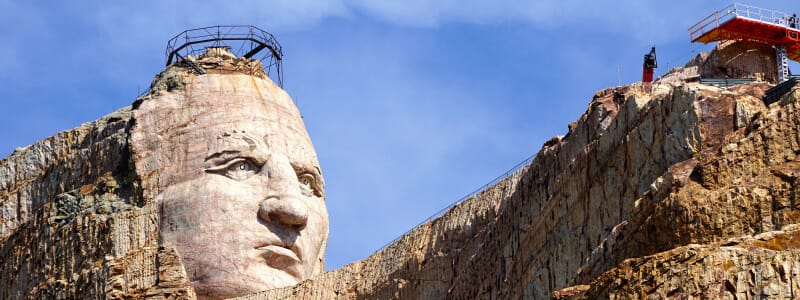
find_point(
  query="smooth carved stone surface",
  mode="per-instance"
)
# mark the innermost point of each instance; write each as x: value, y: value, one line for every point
x: 731, y: 59
x: 739, y: 60
x: 236, y: 179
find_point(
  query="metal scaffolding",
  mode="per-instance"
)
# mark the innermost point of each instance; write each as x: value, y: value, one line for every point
x: 242, y: 40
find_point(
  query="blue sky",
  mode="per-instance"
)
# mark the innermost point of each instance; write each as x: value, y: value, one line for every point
x: 410, y: 104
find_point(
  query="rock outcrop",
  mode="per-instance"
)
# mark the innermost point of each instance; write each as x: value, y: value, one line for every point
x: 670, y: 189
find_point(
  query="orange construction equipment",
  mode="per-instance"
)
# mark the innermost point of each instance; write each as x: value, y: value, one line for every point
x: 650, y: 63
x: 741, y: 22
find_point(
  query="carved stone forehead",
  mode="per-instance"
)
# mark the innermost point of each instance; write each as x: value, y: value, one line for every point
x: 218, y: 113
x: 242, y: 141
x: 235, y: 141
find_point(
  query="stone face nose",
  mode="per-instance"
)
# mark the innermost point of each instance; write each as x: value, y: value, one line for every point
x: 284, y: 202
x: 284, y: 208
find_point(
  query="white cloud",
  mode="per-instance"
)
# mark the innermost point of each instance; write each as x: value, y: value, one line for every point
x: 639, y: 19
x: 128, y: 23
x: 140, y: 19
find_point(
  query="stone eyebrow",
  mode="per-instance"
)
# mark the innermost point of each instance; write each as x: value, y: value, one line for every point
x: 298, y: 166
x: 223, y: 155
x: 228, y: 154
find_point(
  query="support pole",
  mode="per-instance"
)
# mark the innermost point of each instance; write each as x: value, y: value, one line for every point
x: 783, y: 63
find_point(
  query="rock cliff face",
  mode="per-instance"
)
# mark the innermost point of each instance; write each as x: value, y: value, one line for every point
x: 647, y: 169
x: 669, y: 189
x: 72, y: 225
x: 664, y: 190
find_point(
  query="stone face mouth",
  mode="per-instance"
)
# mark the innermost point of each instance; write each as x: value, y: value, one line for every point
x: 280, y: 256
x: 280, y: 250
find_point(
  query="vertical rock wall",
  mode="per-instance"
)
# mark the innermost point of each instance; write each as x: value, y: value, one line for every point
x: 738, y: 200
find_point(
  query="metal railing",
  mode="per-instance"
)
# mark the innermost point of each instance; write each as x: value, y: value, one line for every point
x: 737, y: 10
x: 242, y: 40
x: 775, y: 93
x: 491, y: 183
x: 726, y: 82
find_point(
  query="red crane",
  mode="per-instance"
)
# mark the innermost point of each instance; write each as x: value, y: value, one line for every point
x: 741, y: 22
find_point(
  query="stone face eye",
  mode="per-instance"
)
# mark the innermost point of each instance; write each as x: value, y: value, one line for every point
x: 309, y: 184
x: 306, y: 180
x: 237, y: 169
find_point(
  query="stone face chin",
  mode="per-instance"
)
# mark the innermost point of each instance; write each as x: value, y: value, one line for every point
x: 239, y: 189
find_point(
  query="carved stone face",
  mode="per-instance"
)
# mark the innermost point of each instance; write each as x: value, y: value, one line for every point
x: 241, y: 195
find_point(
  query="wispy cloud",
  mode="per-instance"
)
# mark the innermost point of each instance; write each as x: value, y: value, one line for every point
x: 139, y: 19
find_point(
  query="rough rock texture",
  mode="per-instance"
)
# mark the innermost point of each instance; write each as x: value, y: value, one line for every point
x: 673, y: 178
x: 766, y: 266
x: 666, y: 190
x: 73, y: 221
x: 744, y: 184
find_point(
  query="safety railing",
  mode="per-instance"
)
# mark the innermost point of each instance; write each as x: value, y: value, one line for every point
x: 777, y: 92
x: 489, y: 185
x: 760, y: 14
x: 242, y: 40
x: 726, y: 82
x: 737, y: 10
x: 712, y: 21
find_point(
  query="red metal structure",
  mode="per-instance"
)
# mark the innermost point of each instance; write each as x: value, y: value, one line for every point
x: 749, y: 23
x: 650, y: 63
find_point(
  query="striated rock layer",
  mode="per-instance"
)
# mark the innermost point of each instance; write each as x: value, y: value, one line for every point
x: 663, y: 190
x: 666, y: 190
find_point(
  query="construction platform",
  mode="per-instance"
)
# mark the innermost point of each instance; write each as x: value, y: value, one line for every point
x: 749, y: 23
x: 245, y: 41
